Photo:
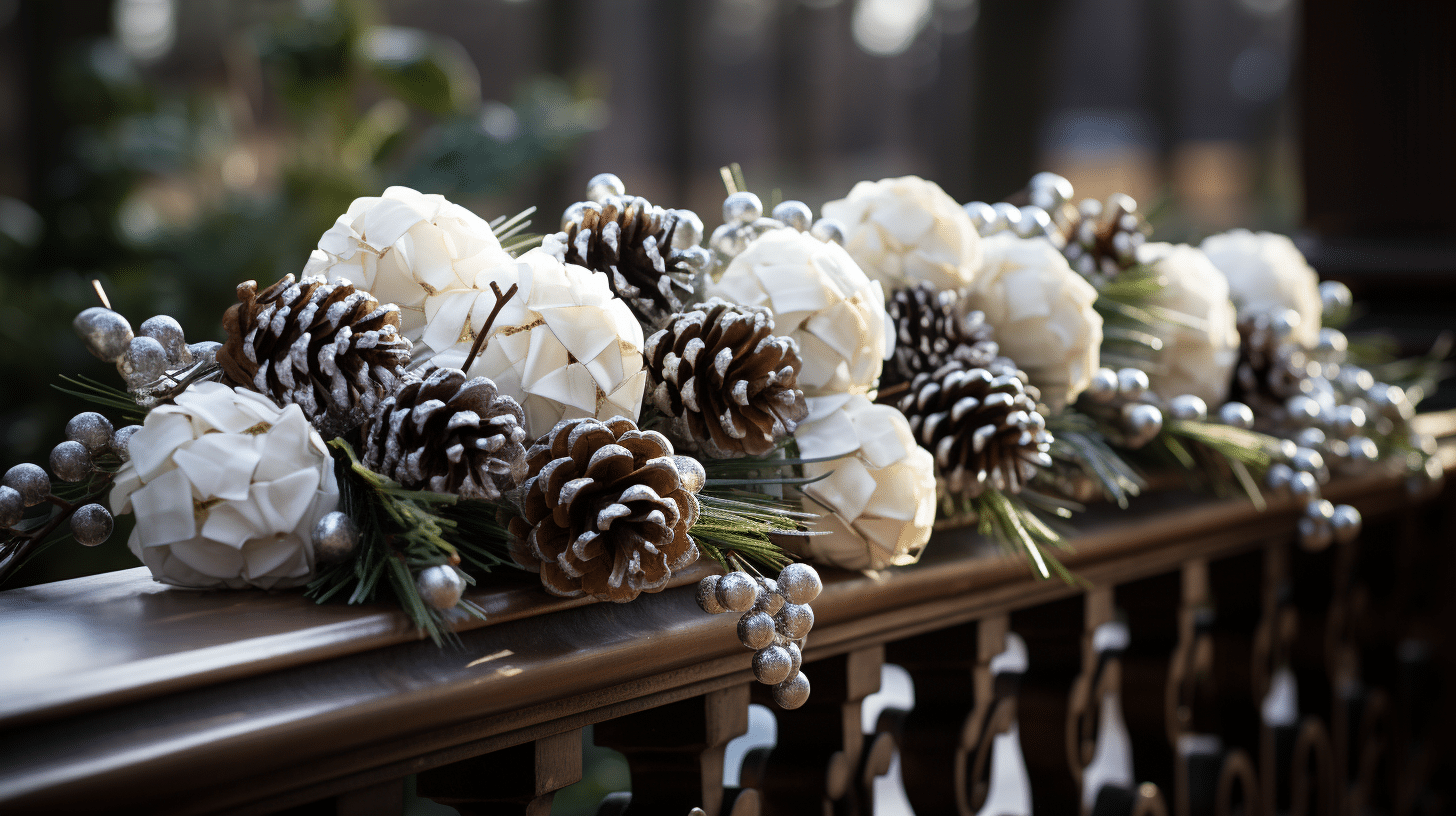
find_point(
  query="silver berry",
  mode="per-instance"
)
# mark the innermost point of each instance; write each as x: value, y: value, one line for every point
x: 708, y: 596
x: 70, y: 461
x: 697, y: 258
x: 829, y: 231
x: 772, y: 665
x: 755, y: 630
x: 1315, y: 533
x: 1278, y: 477
x: 1034, y: 221
x: 1049, y: 190
x: 795, y: 214
x: 106, y: 333
x: 1346, y: 523
x: 204, y: 353
x: 335, y: 537
x: 1103, y: 387
x: 1336, y: 300
x: 441, y: 586
x: 1132, y: 383
x: 1303, y: 487
x: 12, y: 507
x: 30, y: 481
x: 166, y: 330
x: 92, y: 525
x: 982, y: 215
x: 92, y: 430
x: 792, y: 693
x: 796, y: 658
x: 742, y: 208
x: 770, y: 598
x: 144, y: 361
x: 1349, y: 420
x: 1308, y: 460
x: 1143, y: 422
x: 795, y: 620
x: 121, y: 441
x: 799, y: 583
x: 1188, y: 407
x: 604, y: 185
x: 1008, y: 216
x: 736, y: 591
x: 1236, y: 415
x: 1310, y: 438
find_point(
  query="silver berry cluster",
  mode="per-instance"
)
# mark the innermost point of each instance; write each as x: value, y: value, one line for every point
x: 743, y: 221
x: 1121, y: 398
x: 776, y: 618
x: 156, y: 362
x: 89, y: 437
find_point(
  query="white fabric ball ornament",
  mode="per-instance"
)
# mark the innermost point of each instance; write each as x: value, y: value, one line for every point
x: 1267, y: 272
x: 820, y: 297
x: 1042, y: 313
x: 878, y: 501
x: 404, y: 246
x: 227, y: 488
x: 1197, y: 358
x: 905, y: 230
x: 563, y: 346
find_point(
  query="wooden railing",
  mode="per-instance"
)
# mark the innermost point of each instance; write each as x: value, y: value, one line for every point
x: 1206, y: 664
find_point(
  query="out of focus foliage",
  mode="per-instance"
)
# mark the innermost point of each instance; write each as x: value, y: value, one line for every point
x: 171, y: 196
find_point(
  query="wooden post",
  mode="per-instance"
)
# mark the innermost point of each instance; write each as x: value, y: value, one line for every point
x: 518, y: 780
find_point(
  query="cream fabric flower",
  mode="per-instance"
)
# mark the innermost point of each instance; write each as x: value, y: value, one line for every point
x: 878, y: 501
x: 1042, y: 313
x: 820, y: 297
x: 1266, y: 271
x: 227, y: 488
x: 564, y: 346
x: 905, y: 230
x: 1197, y: 358
x: 404, y: 246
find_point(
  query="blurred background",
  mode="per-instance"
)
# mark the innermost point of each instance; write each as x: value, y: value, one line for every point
x: 173, y: 149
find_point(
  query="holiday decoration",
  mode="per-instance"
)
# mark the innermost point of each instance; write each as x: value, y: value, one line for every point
x: 563, y: 346
x: 449, y: 434
x: 727, y: 381
x: 1042, y: 314
x: 905, y: 230
x: 632, y: 243
x: 1104, y: 237
x: 821, y: 299
x: 226, y: 488
x: 1267, y: 273
x: 776, y: 620
x: 404, y: 246
x: 878, y: 497
x: 604, y: 512
x: 1200, y: 349
x: 931, y: 330
x: 327, y: 347
x: 982, y: 428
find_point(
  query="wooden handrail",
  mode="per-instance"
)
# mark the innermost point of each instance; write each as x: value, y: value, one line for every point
x: 114, y: 689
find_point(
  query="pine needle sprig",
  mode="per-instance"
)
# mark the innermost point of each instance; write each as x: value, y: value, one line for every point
x: 1225, y: 459
x: 1077, y: 441
x: 1010, y: 522
x: 103, y: 395
x: 741, y: 523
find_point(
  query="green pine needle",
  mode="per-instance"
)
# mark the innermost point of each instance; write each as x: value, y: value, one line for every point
x: 102, y: 394
x: 1008, y: 521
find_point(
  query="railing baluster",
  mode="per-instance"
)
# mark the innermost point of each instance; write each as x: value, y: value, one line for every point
x: 817, y: 765
x: 1053, y: 634
x: 675, y: 753
x: 521, y: 779
x: 942, y: 664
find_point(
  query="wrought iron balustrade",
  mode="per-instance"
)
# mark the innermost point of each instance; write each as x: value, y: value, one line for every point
x: 1205, y: 665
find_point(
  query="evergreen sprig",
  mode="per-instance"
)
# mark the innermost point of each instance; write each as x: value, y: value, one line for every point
x: 1011, y: 523
x: 1225, y: 459
x: 1077, y: 441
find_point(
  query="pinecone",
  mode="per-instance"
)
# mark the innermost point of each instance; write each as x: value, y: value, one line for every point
x: 1270, y: 370
x: 630, y: 241
x: 448, y: 434
x: 605, y: 513
x: 330, y: 348
x: 728, y: 382
x: 983, y: 428
x: 1103, y: 239
x: 930, y: 331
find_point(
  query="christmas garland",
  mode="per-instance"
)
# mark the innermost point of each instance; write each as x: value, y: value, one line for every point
x: 436, y: 397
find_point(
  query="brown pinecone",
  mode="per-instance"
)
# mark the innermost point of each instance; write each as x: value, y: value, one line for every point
x: 1103, y: 238
x: 448, y: 434
x: 330, y: 348
x: 983, y: 428
x: 1270, y: 370
x: 930, y: 331
x: 727, y: 381
x: 630, y: 241
x: 604, y: 513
